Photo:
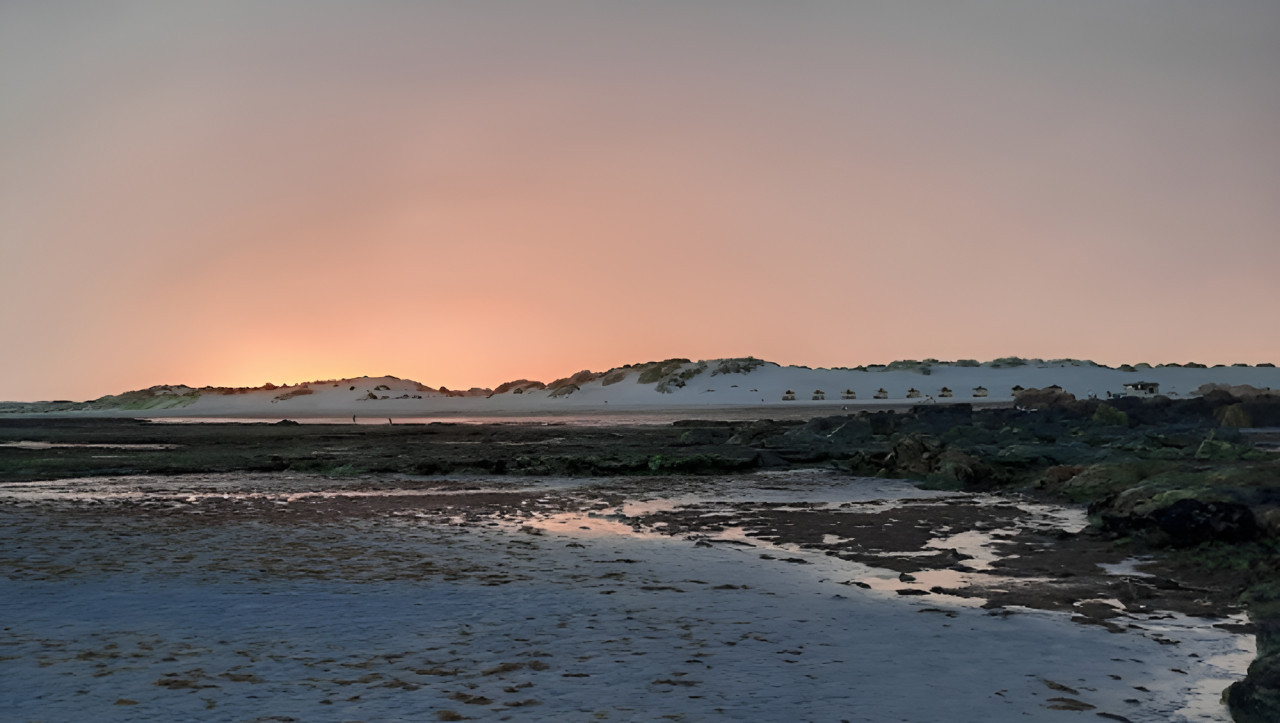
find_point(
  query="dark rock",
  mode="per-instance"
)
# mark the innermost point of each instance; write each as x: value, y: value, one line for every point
x: 1191, y: 522
x: 914, y: 455
x: 770, y: 460
x: 883, y: 423
x: 703, y: 436
x: 1043, y: 398
x: 952, y: 465
x: 1256, y: 699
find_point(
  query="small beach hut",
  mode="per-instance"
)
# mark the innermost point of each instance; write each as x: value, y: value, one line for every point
x: 946, y: 392
x: 1141, y: 389
x: 849, y: 394
x: 881, y: 393
x: 788, y: 396
x: 979, y: 391
x: 819, y: 395
x: 913, y: 393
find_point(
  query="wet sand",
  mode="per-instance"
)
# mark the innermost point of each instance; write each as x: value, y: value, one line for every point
x: 761, y: 596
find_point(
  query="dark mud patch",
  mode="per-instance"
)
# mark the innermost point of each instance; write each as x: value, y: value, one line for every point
x: 1036, y: 563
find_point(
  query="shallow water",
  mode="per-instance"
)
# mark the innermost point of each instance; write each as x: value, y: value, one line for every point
x: 113, y: 613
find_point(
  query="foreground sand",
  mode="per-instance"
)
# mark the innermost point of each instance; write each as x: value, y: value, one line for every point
x: 247, y: 596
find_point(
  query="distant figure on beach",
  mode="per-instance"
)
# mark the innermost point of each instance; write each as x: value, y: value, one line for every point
x: 353, y: 419
x: 389, y: 420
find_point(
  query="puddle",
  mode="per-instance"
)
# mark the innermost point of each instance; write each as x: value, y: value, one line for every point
x: 975, y: 544
x: 1127, y: 568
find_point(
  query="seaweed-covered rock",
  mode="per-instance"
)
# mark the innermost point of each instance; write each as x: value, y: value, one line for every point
x: 1268, y: 519
x: 703, y: 436
x: 1191, y: 522
x: 1256, y: 699
x: 1057, y: 476
x: 1235, y: 415
x: 699, y: 464
x: 914, y: 455
x: 1218, y: 450
x: 956, y: 467
x: 1110, y: 416
x: 1099, y: 483
x: 753, y: 434
x: 1176, y: 518
x: 1043, y: 398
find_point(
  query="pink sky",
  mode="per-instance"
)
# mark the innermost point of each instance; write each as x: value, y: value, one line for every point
x: 233, y: 193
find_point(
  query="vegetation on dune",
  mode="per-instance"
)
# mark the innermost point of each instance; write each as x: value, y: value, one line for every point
x: 742, y: 365
x: 909, y: 365
x: 653, y: 372
x: 670, y: 374
x: 519, y: 386
x: 613, y: 376
x: 577, y: 380
x: 678, y: 379
x: 563, y: 390
x: 144, y: 399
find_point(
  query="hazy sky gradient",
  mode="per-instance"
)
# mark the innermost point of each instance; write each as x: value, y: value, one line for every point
x: 467, y: 192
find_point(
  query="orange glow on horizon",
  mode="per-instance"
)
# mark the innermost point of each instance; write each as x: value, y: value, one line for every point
x: 464, y: 196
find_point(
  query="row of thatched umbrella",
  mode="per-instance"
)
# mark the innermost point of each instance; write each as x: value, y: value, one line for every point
x: 882, y: 393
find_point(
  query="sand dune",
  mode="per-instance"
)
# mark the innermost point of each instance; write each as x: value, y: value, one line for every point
x: 678, y: 385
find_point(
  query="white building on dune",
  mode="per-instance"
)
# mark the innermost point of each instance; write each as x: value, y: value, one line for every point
x: 1141, y: 389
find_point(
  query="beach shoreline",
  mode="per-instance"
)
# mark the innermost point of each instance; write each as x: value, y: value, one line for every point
x: 568, y: 549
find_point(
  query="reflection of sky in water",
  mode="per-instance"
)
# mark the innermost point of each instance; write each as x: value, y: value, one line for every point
x: 611, y: 535
x: 1127, y: 568
x: 974, y: 543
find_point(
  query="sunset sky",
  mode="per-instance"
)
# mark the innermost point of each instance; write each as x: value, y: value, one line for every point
x: 230, y: 193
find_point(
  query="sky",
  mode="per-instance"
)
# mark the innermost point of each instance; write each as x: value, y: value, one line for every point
x: 464, y: 193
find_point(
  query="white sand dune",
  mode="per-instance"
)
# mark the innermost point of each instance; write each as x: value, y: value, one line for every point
x: 764, y: 387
